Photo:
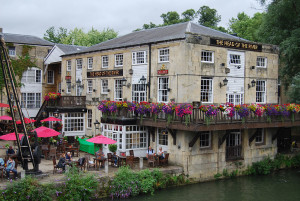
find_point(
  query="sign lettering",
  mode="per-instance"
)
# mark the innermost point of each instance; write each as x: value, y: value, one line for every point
x: 162, y: 72
x: 236, y: 45
x: 106, y: 73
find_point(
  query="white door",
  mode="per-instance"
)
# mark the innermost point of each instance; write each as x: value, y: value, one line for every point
x: 236, y: 64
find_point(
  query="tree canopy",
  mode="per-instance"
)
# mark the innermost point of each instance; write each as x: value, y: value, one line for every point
x: 208, y: 16
x: 78, y: 36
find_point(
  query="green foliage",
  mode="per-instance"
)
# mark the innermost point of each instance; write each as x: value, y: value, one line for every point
x: 112, y: 147
x: 225, y: 173
x: 208, y: 16
x: 78, y: 186
x: 27, y: 189
x: 245, y: 26
x: 146, y: 181
x: 78, y: 37
x: 188, y: 15
x: 217, y: 176
x: 294, y: 90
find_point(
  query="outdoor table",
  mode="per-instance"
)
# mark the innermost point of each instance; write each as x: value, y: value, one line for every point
x: 98, y: 160
x: 121, y: 160
x: 73, y: 150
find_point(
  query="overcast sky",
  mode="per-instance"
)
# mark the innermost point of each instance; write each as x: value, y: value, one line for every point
x: 34, y: 17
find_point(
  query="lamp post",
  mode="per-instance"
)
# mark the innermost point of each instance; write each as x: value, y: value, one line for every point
x: 97, y: 125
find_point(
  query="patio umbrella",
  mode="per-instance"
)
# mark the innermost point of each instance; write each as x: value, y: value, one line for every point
x: 51, y: 119
x: 5, y: 117
x: 46, y: 132
x: 26, y: 120
x: 101, y: 140
x: 4, y: 105
x: 10, y: 137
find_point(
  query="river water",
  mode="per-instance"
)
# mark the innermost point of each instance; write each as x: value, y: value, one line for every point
x: 283, y: 185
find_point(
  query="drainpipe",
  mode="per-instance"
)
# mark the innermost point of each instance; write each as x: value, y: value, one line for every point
x: 149, y: 83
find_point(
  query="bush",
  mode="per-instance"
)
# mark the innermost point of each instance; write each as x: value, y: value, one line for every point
x: 27, y: 189
x: 112, y: 148
x: 217, y: 176
x: 78, y: 186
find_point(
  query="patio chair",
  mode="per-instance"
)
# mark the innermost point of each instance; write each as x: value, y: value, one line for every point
x: 129, y: 161
x: 151, y: 160
x: 55, y: 168
x: 135, y: 159
x: 52, y: 153
x: 82, y: 163
x: 165, y: 160
x: 88, y: 163
x: 109, y: 159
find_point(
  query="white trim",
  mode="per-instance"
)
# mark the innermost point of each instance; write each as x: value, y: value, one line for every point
x: 135, y: 59
x: 90, y: 63
x: 52, y: 82
x: 212, y: 56
x: 158, y: 90
x: 209, y: 139
x: 265, y: 62
x: 69, y: 67
x: 104, y: 56
x: 116, y: 60
x: 159, y: 55
x: 102, y: 91
x: 88, y: 81
x: 212, y: 89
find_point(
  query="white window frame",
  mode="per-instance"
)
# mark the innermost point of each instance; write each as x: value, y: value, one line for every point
x: 30, y: 76
x: 33, y: 102
x: 90, y: 63
x: 135, y: 137
x: 69, y: 65
x: 105, y: 60
x: 261, y: 91
x: 69, y: 87
x: 204, y: 140
x: 11, y: 51
x: 163, y: 55
x: 119, y: 58
x: 206, y: 92
x: 38, y: 76
x: 78, y: 64
x: 89, y: 86
x: 51, y: 80
x: 260, y: 60
x: 139, y: 57
x: 59, y: 87
x: 118, y: 96
x: 259, y: 139
x: 139, y: 92
x: 207, y: 56
x: 163, y: 91
x: 104, y: 86
x: 74, y: 122
x: 162, y: 139
x: 89, y: 118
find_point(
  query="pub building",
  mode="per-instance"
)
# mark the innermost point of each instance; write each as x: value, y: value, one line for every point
x: 183, y: 63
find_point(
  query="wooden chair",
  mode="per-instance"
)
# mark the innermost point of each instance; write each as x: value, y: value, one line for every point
x: 135, y: 159
x: 164, y: 161
x: 109, y: 159
x: 55, y: 168
x: 83, y: 165
x: 52, y: 153
x: 151, y: 160
x: 129, y: 161
x: 88, y: 164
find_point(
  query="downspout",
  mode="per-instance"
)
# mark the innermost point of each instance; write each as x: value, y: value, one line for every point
x: 149, y: 83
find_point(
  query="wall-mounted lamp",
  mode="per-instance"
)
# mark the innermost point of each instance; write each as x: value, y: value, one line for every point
x: 123, y: 81
x: 222, y: 64
x: 94, y: 90
x: 56, y: 113
x: 62, y: 90
x: 130, y: 71
x: 97, y: 125
x: 252, y: 84
x: 225, y: 81
x: 252, y: 67
x: 169, y: 89
x: 128, y: 85
x: 44, y: 113
x: 143, y: 81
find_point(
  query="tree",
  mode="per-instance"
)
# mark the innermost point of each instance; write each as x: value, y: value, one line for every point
x: 281, y: 26
x: 245, y: 26
x: 79, y: 37
x: 55, y: 36
x: 208, y: 17
x: 171, y: 17
x: 294, y: 90
x: 188, y: 15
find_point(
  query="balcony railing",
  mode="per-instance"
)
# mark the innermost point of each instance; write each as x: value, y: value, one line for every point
x: 68, y: 101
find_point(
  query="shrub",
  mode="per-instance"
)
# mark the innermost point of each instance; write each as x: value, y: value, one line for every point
x: 112, y: 148
x: 263, y: 167
x: 217, y: 176
x: 78, y: 186
x: 146, y: 181
x: 27, y: 189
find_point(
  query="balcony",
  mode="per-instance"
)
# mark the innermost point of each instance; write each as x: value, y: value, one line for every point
x: 68, y: 101
x: 198, y: 120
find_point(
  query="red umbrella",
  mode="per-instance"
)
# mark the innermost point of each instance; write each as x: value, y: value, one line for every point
x: 46, y: 132
x: 51, y: 119
x: 101, y: 140
x: 5, y: 117
x: 10, y: 136
x: 4, y: 105
x: 26, y: 120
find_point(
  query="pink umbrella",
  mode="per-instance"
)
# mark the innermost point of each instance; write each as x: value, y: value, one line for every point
x: 4, y: 105
x: 26, y: 120
x: 51, y: 119
x: 10, y: 136
x: 101, y: 140
x: 46, y: 132
x: 5, y: 117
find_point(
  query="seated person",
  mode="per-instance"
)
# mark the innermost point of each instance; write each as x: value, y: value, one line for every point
x: 62, y: 162
x: 10, y: 151
x: 150, y: 151
x: 10, y: 167
x: 100, y: 155
x: 69, y: 157
x: 115, y: 159
x: 161, y: 153
x: 1, y: 163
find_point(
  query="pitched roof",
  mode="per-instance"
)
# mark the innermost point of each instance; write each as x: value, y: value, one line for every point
x: 67, y: 49
x: 25, y: 39
x: 160, y: 34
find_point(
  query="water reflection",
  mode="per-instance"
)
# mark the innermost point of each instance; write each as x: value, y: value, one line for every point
x: 281, y: 186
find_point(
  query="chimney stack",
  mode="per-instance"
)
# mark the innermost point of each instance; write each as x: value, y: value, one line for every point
x: 1, y: 30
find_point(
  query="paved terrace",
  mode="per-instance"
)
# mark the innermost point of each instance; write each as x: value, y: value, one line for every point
x: 46, y: 166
